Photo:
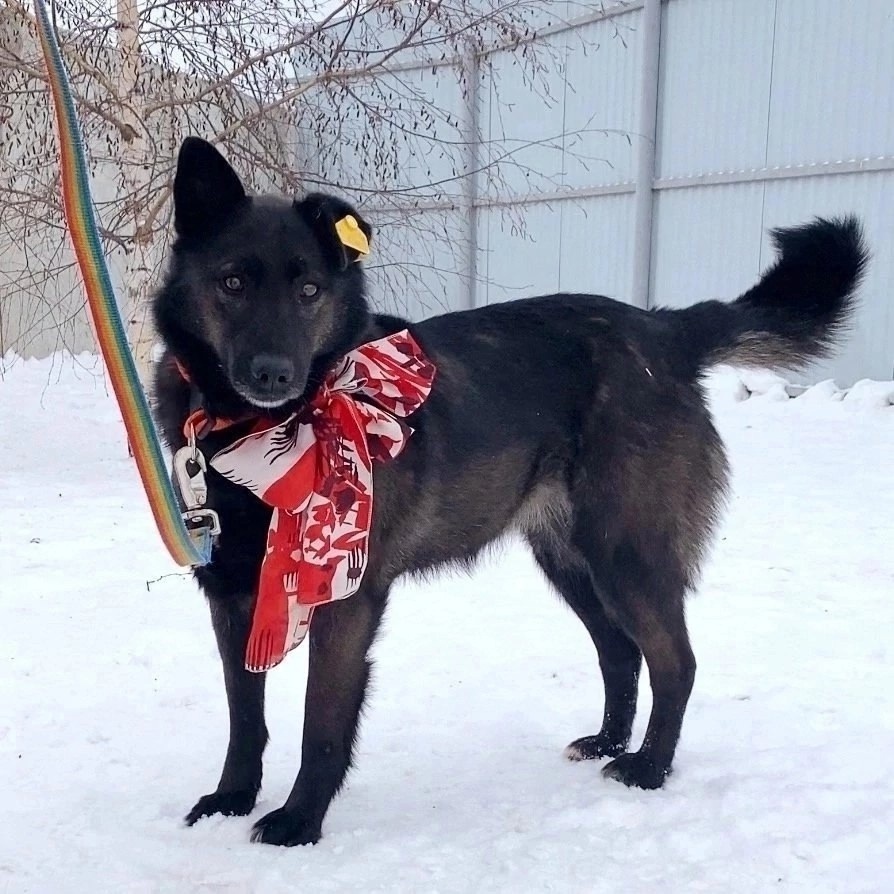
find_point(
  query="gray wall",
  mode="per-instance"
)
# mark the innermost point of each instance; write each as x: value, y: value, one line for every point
x: 765, y: 113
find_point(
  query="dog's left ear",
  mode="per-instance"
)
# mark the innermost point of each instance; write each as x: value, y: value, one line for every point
x: 344, y: 236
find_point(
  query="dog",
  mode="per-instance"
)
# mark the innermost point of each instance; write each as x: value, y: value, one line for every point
x: 575, y: 420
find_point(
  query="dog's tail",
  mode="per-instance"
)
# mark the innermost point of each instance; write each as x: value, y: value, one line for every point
x: 797, y: 312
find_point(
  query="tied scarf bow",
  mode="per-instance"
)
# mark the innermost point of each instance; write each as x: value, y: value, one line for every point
x: 317, y: 476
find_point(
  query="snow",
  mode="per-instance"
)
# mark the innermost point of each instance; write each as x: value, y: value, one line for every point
x: 113, y: 716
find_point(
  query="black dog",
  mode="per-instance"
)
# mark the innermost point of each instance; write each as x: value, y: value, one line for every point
x: 573, y: 419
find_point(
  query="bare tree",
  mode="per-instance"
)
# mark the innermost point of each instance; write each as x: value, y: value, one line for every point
x: 298, y: 95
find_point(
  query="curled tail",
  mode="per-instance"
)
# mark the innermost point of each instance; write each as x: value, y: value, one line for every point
x: 797, y: 312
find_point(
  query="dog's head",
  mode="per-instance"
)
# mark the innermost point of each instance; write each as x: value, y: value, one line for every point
x: 261, y: 291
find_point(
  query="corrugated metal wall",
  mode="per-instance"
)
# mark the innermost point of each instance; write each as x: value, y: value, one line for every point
x: 769, y: 112
x: 569, y: 241
x: 772, y: 112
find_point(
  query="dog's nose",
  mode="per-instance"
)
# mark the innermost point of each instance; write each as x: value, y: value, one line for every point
x: 272, y: 372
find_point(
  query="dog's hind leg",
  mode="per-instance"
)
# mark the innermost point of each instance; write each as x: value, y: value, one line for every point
x: 646, y: 598
x: 619, y: 657
x: 341, y: 634
x: 240, y: 780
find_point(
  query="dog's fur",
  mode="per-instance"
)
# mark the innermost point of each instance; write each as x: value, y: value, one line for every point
x: 574, y: 419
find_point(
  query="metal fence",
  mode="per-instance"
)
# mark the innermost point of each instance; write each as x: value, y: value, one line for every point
x: 669, y: 137
x: 686, y: 129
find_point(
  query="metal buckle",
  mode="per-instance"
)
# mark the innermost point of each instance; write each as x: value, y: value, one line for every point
x: 189, y: 472
x: 201, y: 523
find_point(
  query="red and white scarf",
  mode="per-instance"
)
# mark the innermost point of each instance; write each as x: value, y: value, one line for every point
x: 316, y: 473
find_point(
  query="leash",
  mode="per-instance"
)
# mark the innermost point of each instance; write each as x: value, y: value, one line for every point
x: 188, y: 535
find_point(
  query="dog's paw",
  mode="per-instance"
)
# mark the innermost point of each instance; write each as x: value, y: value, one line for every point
x: 637, y: 770
x: 593, y: 747
x: 285, y: 828
x: 227, y: 803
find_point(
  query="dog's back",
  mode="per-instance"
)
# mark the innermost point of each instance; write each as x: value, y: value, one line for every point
x: 569, y: 407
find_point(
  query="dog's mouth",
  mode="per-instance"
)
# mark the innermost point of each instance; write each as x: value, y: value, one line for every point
x: 267, y: 402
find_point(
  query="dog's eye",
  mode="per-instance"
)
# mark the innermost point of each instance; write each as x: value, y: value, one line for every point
x: 309, y: 291
x: 233, y: 283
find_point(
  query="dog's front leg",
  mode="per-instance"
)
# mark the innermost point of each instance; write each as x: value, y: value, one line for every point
x: 240, y: 780
x: 341, y: 634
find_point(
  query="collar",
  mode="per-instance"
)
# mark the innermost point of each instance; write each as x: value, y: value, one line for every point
x: 200, y: 423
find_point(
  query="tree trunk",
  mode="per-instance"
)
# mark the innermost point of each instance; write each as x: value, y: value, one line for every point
x: 135, y: 164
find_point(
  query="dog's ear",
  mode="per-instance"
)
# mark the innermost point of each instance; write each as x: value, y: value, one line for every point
x: 206, y: 189
x: 343, y: 235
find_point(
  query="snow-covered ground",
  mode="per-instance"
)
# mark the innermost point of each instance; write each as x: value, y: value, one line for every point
x: 112, y: 713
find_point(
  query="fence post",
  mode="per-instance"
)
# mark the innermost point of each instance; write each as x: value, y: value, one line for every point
x: 646, y: 130
x: 471, y: 136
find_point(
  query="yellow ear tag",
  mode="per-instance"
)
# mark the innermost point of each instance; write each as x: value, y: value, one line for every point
x: 351, y: 235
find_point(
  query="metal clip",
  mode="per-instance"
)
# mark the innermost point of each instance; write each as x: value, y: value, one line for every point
x: 189, y: 472
x: 201, y: 523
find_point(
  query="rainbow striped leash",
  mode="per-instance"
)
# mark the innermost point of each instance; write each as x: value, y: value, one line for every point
x: 188, y: 536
